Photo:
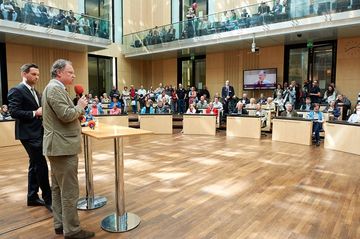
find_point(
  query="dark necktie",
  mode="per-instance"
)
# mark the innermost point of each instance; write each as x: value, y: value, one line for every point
x: 35, y: 96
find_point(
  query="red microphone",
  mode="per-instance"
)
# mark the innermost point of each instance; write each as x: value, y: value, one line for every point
x: 79, y: 90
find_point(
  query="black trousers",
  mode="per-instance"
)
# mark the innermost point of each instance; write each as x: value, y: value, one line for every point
x: 38, y: 174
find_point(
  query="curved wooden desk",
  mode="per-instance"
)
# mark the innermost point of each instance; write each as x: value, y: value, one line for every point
x: 342, y: 136
x: 243, y: 126
x: 292, y: 130
x: 157, y: 123
x: 201, y: 124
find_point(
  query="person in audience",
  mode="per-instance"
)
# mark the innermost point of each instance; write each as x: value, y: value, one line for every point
x: 329, y: 95
x: 161, y: 108
x: 245, y: 100
x: 307, y: 106
x: 159, y: 90
x: 151, y: 93
x: 95, y: 109
x: 181, y: 97
x: 227, y: 92
x: 355, y: 117
x: 344, y: 102
x: 84, y: 25
x: 90, y: 98
x: 279, y: 102
x: 232, y: 103
x: 148, y: 108
x: 125, y: 95
x: 289, y: 112
x: 44, y: 16
x: 263, y: 9
x: 318, y: 118
x: 205, y: 92
x: 202, y: 104
x: 333, y: 110
x: 217, y: 104
x: 174, y: 105
x: 71, y: 21
x: 191, y: 110
x: 240, y: 110
x: 314, y: 92
x: 5, y: 114
x: 192, y: 96
x: 171, y: 34
x: 59, y: 19
x: 164, y: 98
x: 115, y: 93
x: 115, y: 110
x: 211, y: 109
x: 244, y: 13
x: 262, y: 99
x: 133, y: 98
x: 277, y: 8
x: 105, y: 99
x: 8, y: 10
x: 142, y: 94
x: 252, y: 104
x: 270, y: 104
x: 262, y: 114
x: 116, y: 102
x: 289, y: 93
x: 278, y: 89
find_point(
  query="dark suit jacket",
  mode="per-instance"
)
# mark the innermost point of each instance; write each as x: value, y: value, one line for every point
x: 294, y: 114
x: 224, y: 92
x: 21, y: 106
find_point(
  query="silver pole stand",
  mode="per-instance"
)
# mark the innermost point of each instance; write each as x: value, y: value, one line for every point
x: 120, y: 221
x: 90, y: 201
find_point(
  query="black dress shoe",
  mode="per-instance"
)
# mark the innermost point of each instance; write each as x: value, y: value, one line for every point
x: 36, y: 202
x: 59, y: 231
x: 83, y: 234
x: 48, y: 207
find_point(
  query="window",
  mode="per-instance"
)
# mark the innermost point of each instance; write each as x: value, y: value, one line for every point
x: 101, y: 74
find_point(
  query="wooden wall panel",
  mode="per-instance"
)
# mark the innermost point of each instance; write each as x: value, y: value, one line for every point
x: 348, y: 68
x: 215, y: 78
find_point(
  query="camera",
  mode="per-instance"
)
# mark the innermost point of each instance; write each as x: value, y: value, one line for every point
x: 299, y: 35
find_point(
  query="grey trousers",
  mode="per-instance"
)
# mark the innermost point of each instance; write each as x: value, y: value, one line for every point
x: 65, y: 192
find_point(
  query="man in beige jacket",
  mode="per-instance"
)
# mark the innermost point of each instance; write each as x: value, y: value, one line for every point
x: 62, y: 144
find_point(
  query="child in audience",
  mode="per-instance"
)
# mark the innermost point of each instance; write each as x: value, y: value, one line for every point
x: 318, y: 118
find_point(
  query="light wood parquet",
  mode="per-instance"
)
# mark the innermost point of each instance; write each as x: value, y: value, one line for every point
x: 185, y: 186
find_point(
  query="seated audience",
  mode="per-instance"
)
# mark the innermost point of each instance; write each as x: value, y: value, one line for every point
x: 355, y: 117
x: 318, y: 118
x: 252, y: 104
x: 164, y: 98
x: 191, y: 110
x: 333, y: 110
x: 96, y: 109
x: 148, y: 108
x: 289, y: 112
x: 116, y: 102
x: 307, y: 106
x: 105, y: 99
x: 8, y: 10
x: 329, y: 95
x: 162, y: 108
x: 217, y: 104
x: 277, y: 8
x: 115, y: 110
x: 232, y: 103
x: 202, y: 104
x: 262, y: 99
x: 279, y: 102
x: 264, y: 8
x: 262, y: 114
x: 343, y: 101
x: 211, y: 109
x: 5, y: 114
x: 270, y: 104
x: 240, y: 109
x: 245, y: 100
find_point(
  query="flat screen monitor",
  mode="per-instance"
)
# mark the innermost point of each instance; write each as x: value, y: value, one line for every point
x: 262, y: 79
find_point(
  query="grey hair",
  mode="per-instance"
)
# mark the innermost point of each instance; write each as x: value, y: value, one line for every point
x: 288, y: 103
x: 58, y: 65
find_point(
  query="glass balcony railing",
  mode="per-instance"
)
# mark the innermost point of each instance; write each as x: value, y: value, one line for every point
x: 245, y: 17
x: 45, y: 16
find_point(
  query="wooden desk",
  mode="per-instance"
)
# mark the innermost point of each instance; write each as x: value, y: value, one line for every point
x: 120, y: 221
x: 202, y: 124
x: 157, y: 123
x: 342, y: 136
x: 119, y: 120
x: 292, y: 130
x: 243, y: 126
x: 7, y: 135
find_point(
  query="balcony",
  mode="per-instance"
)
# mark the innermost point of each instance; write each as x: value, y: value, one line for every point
x: 38, y: 24
x: 269, y: 23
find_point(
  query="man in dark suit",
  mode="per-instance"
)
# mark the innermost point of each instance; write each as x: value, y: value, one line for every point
x: 25, y: 107
x: 227, y: 93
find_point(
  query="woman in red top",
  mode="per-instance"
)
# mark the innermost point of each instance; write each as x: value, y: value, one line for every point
x: 212, y: 110
x: 133, y: 99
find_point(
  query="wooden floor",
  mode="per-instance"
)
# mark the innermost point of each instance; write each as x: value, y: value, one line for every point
x: 205, y: 187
